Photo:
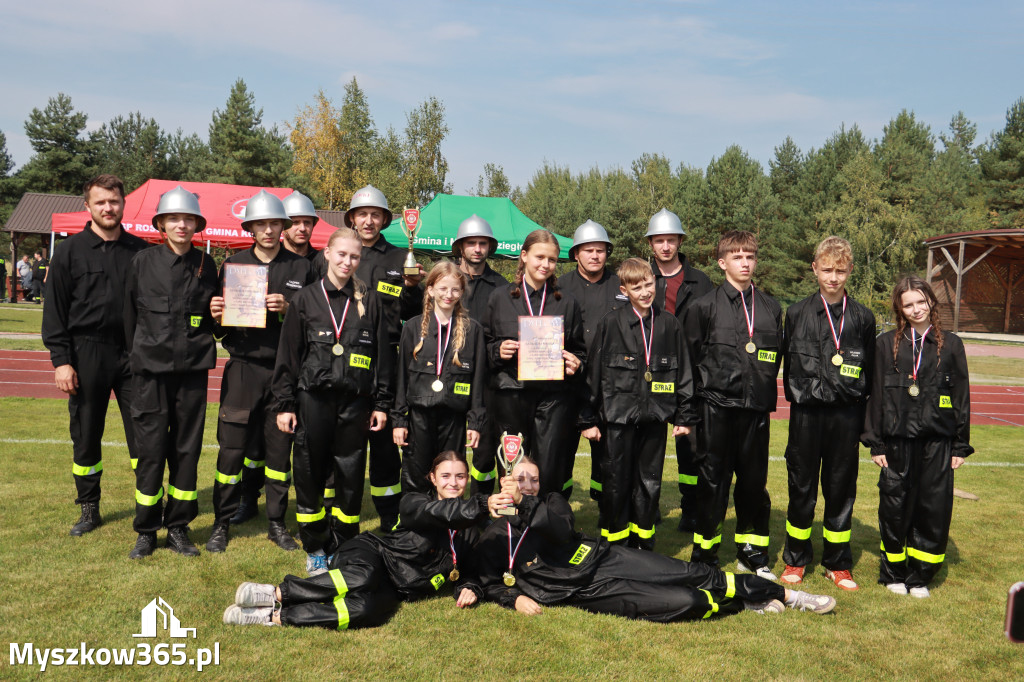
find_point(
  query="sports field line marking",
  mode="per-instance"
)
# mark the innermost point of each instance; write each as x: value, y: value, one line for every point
x: 120, y: 444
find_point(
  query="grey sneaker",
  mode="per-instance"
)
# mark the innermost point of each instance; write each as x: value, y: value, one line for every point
x: 763, y: 607
x: 762, y: 572
x: 246, y: 615
x: 897, y: 588
x: 255, y: 594
x: 920, y: 592
x: 316, y: 563
x: 805, y: 601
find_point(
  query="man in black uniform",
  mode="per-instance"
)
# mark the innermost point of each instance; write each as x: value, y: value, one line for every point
x: 247, y: 428
x: 474, y: 243
x: 677, y: 284
x: 39, y: 268
x: 83, y: 328
x: 401, y: 298
x: 295, y: 239
x: 171, y: 349
x: 3, y: 278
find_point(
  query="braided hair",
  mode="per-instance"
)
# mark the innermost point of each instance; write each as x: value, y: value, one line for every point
x: 540, y: 236
x: 358, y: 286
x: 915, y: 283
x: 460, y: 318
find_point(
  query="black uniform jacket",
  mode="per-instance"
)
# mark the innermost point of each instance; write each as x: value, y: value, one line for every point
x: 616, y: 388
x: 381, y: 268
x: 808, y: 374
x: 418, y: 552
x: 479, y: 290
x: 553, y: 563
x: 85, y: 292
x: 167, y: 318
x: 39, y: 268
x: 305, y: 361
x: 941, y: 410
x: 502, y: 322
x: 288, y: 273
x: 695, y: 284
x: 724, y: 373
x: 596, y: 299
x: 463, y: 391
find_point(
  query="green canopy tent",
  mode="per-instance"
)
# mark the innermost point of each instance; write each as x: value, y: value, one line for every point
x: 440, y: 220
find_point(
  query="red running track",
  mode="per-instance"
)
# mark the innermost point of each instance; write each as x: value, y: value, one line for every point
x: 29, y: 374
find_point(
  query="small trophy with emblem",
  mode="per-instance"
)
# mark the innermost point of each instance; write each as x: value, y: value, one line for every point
x: 410, y: 226
x: 510, y: 453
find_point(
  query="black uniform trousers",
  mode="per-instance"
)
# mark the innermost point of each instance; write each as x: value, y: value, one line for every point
x: 547, y: 420
x: 168, y: 415
x: 432, y: 430
x: 331, y: 436
x: 484, y: 469
x: 385, y: 469
x: 823, y: 441
x: 654, y: 587
x: 632, y: 460
x: 247, y: 433
x: 355, y: 593
x: 686, y: 461
x: 102, y: 367
x: 915, y: 507
x: 732, y: 441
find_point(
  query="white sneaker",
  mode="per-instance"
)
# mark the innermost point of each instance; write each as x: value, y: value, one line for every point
x: 805, y: 601
x: 245, y: 615
x: 255, y: 594
x: 316, y: 563
x: 920, y: 592
x: 762, y: 572
x: 765, y: 607
x: 896, y: 588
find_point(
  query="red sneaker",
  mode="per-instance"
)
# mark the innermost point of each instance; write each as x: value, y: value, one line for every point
x: 842, y: 579
x: 794, y: 575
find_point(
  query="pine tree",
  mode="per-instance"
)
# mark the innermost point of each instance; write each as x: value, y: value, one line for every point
x: 494, y: 183
x: 242, y: 151
x: 1002, y: 167
x: 133, y: 148
x: 904, y: 155
x: 63, y: 158
x: 426, y: 168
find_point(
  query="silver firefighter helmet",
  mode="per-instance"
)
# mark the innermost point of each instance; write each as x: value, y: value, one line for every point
x: 589, y: 233
x: 265, y: 206
x: 298, y: 204
x: 665, y: 222
x: 475, y: 226
x: 372, y: 197
x: 180, y: 200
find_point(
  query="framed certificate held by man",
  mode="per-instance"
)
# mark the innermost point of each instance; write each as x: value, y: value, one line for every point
x: 541, y: 342
x: 245, y: 295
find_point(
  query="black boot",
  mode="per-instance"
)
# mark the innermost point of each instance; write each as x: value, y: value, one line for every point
x: 248, y: 508
x: 144, y: 546
x: 179, y: 541
x: 280, y: 536
x: 218, y: 541
x: 89, y: 520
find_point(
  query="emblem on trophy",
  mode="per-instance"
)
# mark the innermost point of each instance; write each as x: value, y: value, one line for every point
x: 510, y: 453
x: 410, y: 226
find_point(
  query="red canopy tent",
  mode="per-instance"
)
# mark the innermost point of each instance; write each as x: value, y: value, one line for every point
x: 222, y: 205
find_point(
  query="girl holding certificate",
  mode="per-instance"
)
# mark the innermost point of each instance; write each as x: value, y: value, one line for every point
x: 918, y: 427
x: 441, y: 377
x: 330, y: 389
x: 544, y: 410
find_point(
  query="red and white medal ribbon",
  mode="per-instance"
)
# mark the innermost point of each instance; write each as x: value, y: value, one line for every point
x: 512, y: 555
x: 750, y: 317
x: 334, y: 321
x: 832, y: 326
x: 454, y: 575
x: 647, y: 340
x: 543, y: 298
x: 913, y: 349
x: 441, y: 351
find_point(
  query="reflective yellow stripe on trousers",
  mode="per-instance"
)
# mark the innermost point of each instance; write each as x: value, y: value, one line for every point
x: 339, y: 604
x: 344, y: 518
x: 712, y: 606
x: 894, y: 558
x: 183, y: 495
x: 310, y: 518
x: 339, y: 582
x: 86, y: 471
x: 798, y: 533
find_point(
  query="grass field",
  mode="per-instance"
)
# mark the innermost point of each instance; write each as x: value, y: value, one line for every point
x: 60, y: 591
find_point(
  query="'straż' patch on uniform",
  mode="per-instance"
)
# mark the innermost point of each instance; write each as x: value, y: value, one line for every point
x: 852, y: 371
x: 359, y: 361
x: 766, y: 355
x: 581, y: 553
x: 389, y: 289
x: 663, y: 387
x: 461, y: 389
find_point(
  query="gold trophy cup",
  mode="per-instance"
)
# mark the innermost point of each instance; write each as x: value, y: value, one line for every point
x: 410, y: 226
x: 510, y: 453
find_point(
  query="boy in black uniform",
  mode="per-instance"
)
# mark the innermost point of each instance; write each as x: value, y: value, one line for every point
x: 733, y: 336
x: 247, y: 429
x: 401, y: 298
x: 638, y: 380
x: 677, y: 284
x: 39, y: 276
x: 828, y: 351
x: 171, y: 349
x: 83, y: 328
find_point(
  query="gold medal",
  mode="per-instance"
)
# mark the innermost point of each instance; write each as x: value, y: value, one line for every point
x: 438, y: 386
x: 337, y: 349
x: 914, y: 391
x: 509, y: 579
x: 750, y: 347
x: 648, y: 377
x: 837, y: 359
x: 454, y: 575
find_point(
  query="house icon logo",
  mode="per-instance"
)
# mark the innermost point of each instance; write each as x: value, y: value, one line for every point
x: 158, y: 611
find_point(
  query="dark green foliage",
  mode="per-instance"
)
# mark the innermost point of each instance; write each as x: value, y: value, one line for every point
x: 242, y: 151
x: 63, y: 158
x: 1002, y: 167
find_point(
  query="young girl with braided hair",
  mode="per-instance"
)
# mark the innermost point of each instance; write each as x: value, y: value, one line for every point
x: 918, y: 427
x: 332, y: 386
x: 441, y: 375
x: 543, y: 411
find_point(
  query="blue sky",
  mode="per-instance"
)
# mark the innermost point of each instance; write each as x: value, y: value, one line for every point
x: 573, y: 82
